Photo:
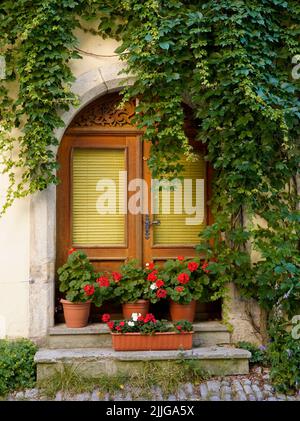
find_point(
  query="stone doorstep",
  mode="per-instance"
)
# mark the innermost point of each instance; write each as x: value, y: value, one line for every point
x: 97, y: 335
x: 98, y: 328
x: 94, y: 362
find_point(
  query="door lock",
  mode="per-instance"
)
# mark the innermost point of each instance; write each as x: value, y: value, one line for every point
x: 148, y: 224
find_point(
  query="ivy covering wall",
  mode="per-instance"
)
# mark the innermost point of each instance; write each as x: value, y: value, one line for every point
x: 232, y: 60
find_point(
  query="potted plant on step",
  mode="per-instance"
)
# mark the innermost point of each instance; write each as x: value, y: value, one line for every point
x: 185, y: 282
x: 77, y: 281
x: 148, y: 334
x: 131, y: 289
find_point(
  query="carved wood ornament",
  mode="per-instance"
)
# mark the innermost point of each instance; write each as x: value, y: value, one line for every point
x: 104, y: 113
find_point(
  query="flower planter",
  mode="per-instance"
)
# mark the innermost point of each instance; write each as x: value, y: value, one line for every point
x: 183, y: 311
x: 140, y: 306
x: 157, y: 341
x: 76, y: 314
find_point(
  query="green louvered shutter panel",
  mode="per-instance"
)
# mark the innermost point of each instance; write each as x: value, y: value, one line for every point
x: 89, y: 227
x: 173, y: 229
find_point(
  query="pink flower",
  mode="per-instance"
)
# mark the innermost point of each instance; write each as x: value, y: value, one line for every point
x: 105, y: 317
x: 183, y: 278
x: 192, y: 266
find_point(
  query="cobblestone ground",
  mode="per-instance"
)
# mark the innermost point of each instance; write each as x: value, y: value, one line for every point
x: 252, y: 387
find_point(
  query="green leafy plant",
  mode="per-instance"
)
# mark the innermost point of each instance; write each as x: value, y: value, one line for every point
x: 185, y: 280
x: 147, y: 325
x: 132, y: 286
x: 258, y: 353
x: 77, y: 277
x: 17, y: 367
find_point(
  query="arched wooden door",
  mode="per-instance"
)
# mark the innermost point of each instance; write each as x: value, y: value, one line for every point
x: 102, y: 162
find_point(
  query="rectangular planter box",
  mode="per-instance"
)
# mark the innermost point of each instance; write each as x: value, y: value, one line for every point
x: 155, y: 342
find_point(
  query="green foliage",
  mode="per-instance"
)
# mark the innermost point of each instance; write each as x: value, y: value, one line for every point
x: 197, y: 282
x: 284, y: 356
x: 74, y: 275
x: 231, y: 59
x: 132, y: 286
x: 258, y: 354
x: 17, y: 367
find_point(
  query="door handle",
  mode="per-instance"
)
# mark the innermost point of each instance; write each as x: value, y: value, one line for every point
x: 148, y: 224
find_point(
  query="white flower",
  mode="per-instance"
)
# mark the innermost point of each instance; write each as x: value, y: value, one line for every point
x: 135, y: 316
x: 153, y: 286
x: 131, y: 324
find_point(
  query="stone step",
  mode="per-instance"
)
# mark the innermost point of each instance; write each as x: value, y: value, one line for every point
x: 97, y: 335
x: 94, y: 362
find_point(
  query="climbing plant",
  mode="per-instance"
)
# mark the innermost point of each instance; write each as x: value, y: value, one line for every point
x: 231, y: 60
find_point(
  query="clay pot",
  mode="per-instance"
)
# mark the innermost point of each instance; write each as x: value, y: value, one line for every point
x: 183, y: 311
x: 76, y: 314
x: 155, y: 342
x: 140, y: 306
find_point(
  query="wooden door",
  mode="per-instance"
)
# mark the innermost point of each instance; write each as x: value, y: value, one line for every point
x: 167, y: 234
x: 102, y: 143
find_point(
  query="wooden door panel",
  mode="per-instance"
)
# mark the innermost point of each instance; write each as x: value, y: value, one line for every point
x: 103, y: 256
x: 152, y: 250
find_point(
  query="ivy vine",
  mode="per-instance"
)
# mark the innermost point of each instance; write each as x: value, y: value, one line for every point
x: 231, y: 59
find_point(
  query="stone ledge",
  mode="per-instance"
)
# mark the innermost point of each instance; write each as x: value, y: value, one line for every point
x: 203, y: 353
x: 98, y: 328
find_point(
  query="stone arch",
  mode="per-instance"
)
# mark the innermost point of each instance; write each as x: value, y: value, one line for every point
x: 88, y: 87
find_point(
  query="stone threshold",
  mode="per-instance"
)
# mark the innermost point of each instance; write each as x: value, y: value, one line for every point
x: 98, y: 328
x: 201, y: 353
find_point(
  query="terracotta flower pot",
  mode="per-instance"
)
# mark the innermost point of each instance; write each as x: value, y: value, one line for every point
x: 155, y: 342
x: 183, y: 311
x: 76, y: 314
x: 140, y: 306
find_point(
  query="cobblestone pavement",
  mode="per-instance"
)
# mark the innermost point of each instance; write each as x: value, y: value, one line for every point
x: 252, y: 387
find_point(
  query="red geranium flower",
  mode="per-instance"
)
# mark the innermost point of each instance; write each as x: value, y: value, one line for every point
x: 179, y: 327
x: 118, y: 328
x: 159, y: 283
x: 89, y: 290
x: 103, y: 281
x: 122, y: 324
x: 71, y: 251
x: 179, y: 289
x: 183, y: 278
x: 161, y: 293
x: 117, y: 276
x: 152, y: 276
x: 204, y: 266
x: 150, y: 265
x: 149, y: 318
x: 140, y: 319
x: 180, y: 258
x: 111, y: 325
x: 105, y: 317
x: 192, y: 266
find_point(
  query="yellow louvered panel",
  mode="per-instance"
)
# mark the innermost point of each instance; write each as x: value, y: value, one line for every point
x: 174, y: 229
x: 89, y: 167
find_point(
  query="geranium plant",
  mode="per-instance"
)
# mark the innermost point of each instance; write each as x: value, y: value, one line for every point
x: 155, y: 286
x: 131, y: 283
x: 185, y: 279
x: 77, y: 277
x: 147, y: 325
x: 105, y: 287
